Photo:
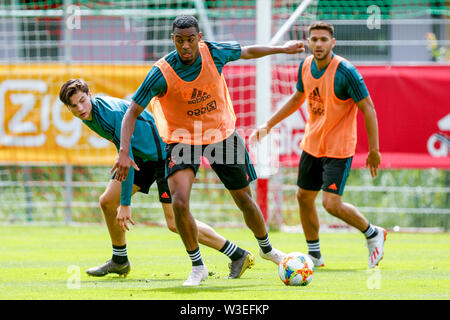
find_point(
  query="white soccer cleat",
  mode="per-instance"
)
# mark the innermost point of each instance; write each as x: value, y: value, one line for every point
x: 317, y: 262
x: 198, y: 274
x: 376, y: 247
x: 274, y: 255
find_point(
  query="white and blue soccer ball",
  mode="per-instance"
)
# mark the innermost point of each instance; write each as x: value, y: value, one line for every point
x: 296, y: 269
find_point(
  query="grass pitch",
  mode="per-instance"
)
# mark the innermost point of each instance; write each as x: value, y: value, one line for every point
x: 48, y: 263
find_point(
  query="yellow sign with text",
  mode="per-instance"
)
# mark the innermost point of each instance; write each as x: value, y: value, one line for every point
x: 36, y: 127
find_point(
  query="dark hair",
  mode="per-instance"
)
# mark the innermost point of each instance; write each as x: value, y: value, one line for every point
x: 71, y: 87
x: 184, y: 22
x: 321, y: 25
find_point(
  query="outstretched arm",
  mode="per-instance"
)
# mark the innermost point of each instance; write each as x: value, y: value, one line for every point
x: 370, y: 120
x: 124, y: 161
x: 293, y: 104
x: 257, y: 51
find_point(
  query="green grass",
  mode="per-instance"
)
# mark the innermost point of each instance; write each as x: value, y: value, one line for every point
x: 35, y: 263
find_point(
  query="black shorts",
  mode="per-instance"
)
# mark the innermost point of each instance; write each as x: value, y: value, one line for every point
x: 328, y: 174
x: 228, y: 158
x: 149, y: 172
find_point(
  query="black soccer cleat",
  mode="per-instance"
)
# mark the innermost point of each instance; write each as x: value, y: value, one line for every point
x: 110, y: 267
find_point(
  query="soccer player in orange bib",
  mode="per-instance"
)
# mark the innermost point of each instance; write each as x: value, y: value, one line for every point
x: 103, y: 115
x: 335, y: 91
x: 194, y: 115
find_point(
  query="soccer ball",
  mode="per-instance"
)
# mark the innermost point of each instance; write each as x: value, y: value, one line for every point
x: 296, y: 269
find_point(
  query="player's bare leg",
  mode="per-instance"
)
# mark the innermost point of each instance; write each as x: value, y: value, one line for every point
x: 180, y: 184
x: 241, y: 259
x: 308, y: 213
x: 255, y: 222
x: 310, y: 223
x: 206, y: 235
x: 344, y: 211
x: 252, y: 213
x: 109, y: 202
x: 348, y: 213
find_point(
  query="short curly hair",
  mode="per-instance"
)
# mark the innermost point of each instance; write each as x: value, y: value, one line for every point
x: 184, y: 22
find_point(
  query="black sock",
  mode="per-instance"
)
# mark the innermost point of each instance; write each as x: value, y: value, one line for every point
x: 119, y: 254
x: 232, y: 250
x: 370, y: 232
x: 196, y: 257
x: 314, y: 248
x: 264, y: 243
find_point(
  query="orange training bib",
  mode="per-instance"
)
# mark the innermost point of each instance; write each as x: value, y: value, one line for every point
x: 195, y: 112
x: 331, y: 126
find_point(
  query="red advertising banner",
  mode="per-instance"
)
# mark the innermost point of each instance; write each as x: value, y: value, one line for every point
x: 412, y: 104
x: 413, y: 109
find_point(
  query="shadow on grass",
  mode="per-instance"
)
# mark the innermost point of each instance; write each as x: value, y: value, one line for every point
x: 117, y: 279
x: 204, y: 287
x: 166, y: 285
x: 155, y: 286
x: 320, y: 270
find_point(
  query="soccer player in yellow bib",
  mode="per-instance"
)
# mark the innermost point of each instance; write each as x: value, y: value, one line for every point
x: 195, y: 117
x: 335, y: 91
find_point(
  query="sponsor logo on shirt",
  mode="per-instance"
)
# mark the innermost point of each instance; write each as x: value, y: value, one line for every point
x: 315, y: 102
x: 211, y: 106
x: 198, y: 96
